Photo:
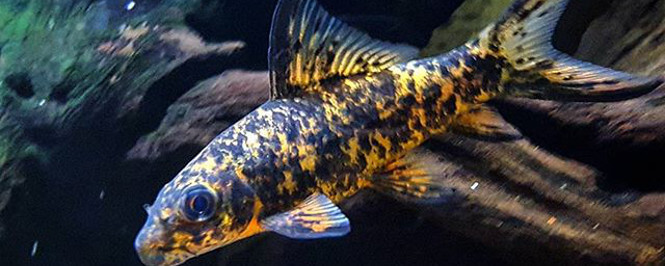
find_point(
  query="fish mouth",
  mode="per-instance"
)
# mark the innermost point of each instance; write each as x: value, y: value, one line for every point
x: 156, y: 254
x: 149, y: 253
x: 154, y: 251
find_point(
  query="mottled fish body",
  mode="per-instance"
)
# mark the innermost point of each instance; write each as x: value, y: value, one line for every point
x: 348, y: 112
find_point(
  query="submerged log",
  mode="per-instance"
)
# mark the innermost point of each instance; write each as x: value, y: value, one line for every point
x: 516, y: 190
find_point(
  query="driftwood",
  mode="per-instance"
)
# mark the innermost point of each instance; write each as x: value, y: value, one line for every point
x: 549, y: 200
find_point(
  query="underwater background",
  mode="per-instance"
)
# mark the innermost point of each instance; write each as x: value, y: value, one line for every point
x: 102, y: 102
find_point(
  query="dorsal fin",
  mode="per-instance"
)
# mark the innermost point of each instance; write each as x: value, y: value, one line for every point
x: 308, y: 45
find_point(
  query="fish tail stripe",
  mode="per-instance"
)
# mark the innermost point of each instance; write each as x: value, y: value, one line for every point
x: 523, y: 37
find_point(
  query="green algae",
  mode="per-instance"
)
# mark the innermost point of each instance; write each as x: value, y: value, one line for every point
x: 56, y: 44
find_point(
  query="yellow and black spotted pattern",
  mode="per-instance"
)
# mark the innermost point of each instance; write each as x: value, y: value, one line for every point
x: 332, y: 140
x: 340, y: 132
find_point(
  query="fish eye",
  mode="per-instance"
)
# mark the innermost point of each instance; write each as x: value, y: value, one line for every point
x: 199, y: 204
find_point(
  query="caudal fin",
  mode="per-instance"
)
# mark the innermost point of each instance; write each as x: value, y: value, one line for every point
x: 523, y: 37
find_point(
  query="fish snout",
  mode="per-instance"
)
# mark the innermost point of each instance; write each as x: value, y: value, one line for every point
x: 155, y: 247
x: 147, y: 247
x: 150, y: 245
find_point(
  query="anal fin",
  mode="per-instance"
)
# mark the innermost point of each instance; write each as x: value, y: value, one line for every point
x: 484, y: 123
x: 316, y: 217
x: 417, y: 177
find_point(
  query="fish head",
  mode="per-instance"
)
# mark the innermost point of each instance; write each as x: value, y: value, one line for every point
x: 194, y: 215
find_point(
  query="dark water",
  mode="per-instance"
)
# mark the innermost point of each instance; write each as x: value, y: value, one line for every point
x: 85, y: 206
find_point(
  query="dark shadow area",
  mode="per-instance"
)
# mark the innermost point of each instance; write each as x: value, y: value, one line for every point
x: 575, y: 21
x: 384, y: 232
x: 249, y: 21
x: 21, y: 84
x: 409, y: 22
x: 626, y: 167
x: 169, y: 88
x: 21, y: 217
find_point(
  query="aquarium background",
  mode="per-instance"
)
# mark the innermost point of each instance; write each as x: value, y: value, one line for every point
x: 97, y: 113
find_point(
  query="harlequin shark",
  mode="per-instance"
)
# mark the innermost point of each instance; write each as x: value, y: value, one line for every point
x: 348, y: 112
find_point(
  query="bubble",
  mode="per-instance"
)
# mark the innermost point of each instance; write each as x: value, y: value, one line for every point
x: 474, y: 186
x: 35, y: 245
x: 130, y: 5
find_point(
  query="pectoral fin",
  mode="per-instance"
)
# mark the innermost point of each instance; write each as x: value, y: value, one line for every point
x: 316, y: 217
x: 420, y: 177
x: 485, y: 123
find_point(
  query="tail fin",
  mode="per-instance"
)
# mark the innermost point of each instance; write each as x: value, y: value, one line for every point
x: 523, y: 37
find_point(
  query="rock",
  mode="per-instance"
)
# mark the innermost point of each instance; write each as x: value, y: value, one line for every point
x: 652, y: 206
x: 517, y: 190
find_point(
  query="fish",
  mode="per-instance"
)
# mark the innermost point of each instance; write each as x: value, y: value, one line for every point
x: 349, y: 112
